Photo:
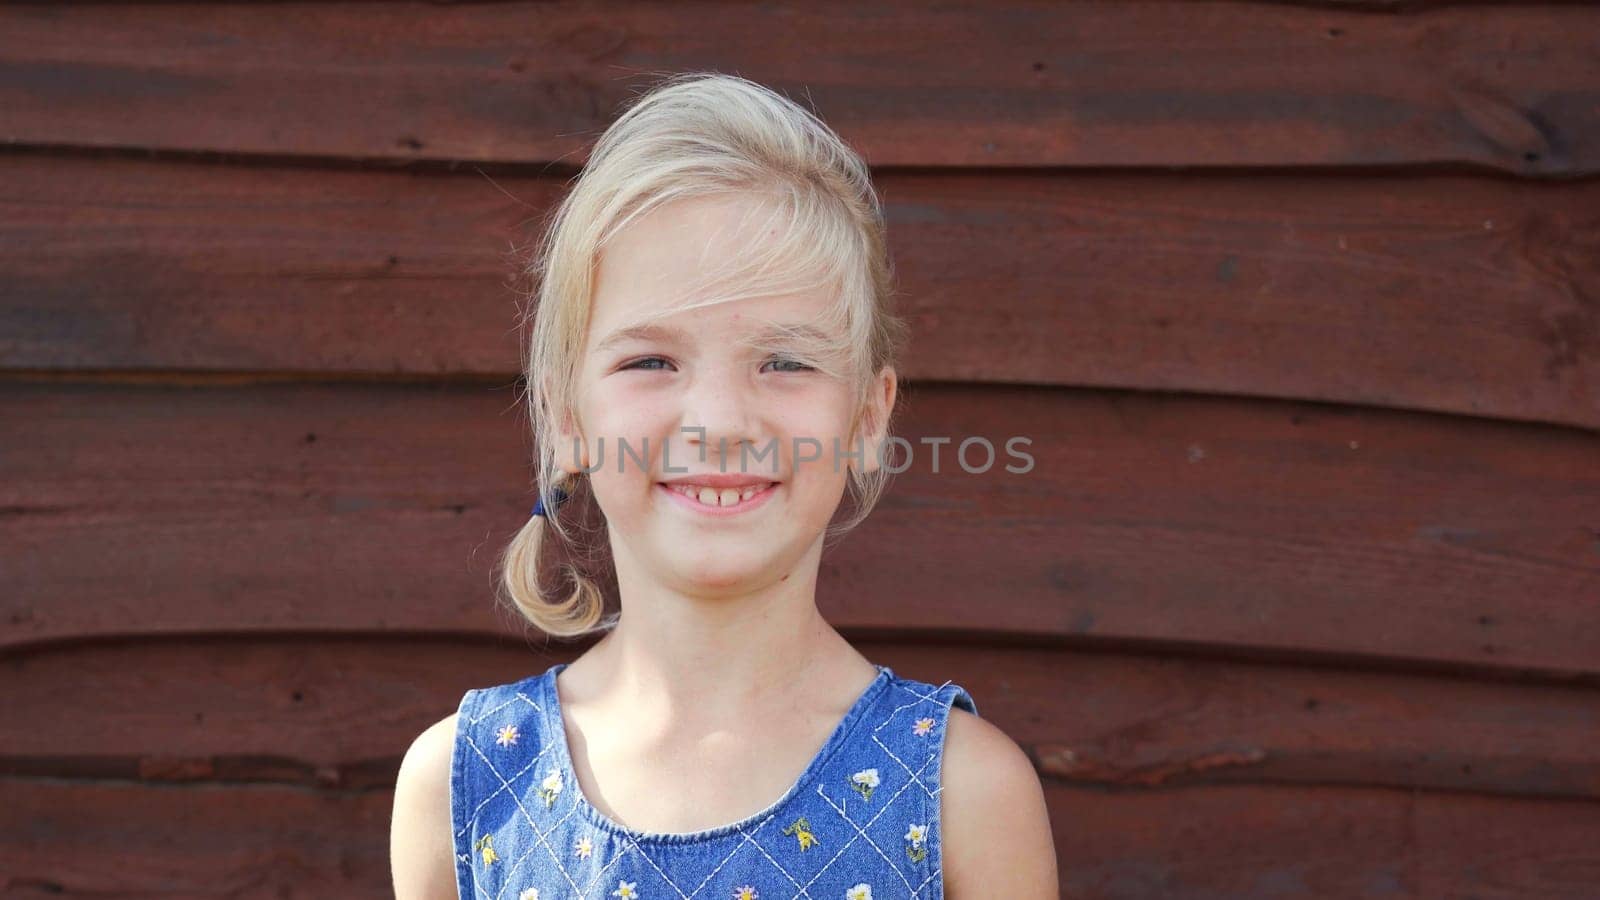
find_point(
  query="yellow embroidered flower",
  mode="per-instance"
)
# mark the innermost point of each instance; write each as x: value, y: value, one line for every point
x: 583, y: 847
x: 550, y: 787
x: 485, y: 846
x: 917, y: 835
x: 864, y: 781
x: 507, y: 736
x: 801, y: 829
x: 529, y: 894
x: 745, y: 892
x: 625, y: 890
x: 861, y: 891
x: 922, y: 726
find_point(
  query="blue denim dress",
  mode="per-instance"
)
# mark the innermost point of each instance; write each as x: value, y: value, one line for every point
x: 860, y: 823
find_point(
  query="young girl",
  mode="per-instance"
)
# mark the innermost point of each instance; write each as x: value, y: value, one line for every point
x: 711, y: 369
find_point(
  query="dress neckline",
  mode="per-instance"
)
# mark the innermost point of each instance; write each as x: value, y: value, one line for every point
x: 555, y: 728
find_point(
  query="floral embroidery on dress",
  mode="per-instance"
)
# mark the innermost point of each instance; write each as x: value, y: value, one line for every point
x: 918, y: 836
x: 485, y: 845
x: 895, y: 740
x: 801, y: 829
x: 550, y: 787
x: 864, y: 781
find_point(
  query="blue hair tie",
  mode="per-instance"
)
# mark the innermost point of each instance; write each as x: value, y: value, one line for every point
x: 560, y: 497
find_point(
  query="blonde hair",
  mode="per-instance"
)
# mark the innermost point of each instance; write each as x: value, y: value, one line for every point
x: 697, y: 134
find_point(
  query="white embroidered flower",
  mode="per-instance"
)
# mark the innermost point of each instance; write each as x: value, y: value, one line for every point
x: 583, y: 847
x: 507, y: 736
x: 625, y: 890
x: 861, y: 891
x: 917, y: 835
x: 745, y: 892
x: 550, y: 787
x: 922, y: 726
x: 529, y: 894
x: 863, y: 782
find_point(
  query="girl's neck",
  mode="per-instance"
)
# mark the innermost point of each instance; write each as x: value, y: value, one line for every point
x: 703, y: 671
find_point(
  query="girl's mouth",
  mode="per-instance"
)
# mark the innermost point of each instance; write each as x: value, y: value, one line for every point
x: 710, y: 501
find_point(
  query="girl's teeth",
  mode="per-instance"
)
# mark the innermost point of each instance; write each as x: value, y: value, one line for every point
x: 725, y: 497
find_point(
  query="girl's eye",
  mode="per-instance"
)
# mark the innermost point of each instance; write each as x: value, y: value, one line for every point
x: 649, y: 363
x: 797, y: 366
x: 640, y: 363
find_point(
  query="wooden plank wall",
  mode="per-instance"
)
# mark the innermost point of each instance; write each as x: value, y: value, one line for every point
x: 1299, y: 303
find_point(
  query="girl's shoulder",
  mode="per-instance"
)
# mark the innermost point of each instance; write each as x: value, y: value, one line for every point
x: 992, y: 810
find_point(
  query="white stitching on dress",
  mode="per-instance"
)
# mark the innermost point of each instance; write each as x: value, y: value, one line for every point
x: 548, y: 745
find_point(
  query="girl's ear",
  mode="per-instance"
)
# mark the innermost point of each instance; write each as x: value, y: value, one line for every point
x: 567, y: 434
x: 874, y: 428
x: 572, y: 451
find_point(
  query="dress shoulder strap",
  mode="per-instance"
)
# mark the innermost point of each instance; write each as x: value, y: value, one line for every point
x: 491, y: 724
x: 913, y: 734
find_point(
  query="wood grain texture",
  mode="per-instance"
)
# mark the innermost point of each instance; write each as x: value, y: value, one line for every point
x: 1509, y: 88
x: 98, y: 839
x: 1241, y: 527
x: 1443, y: 294
x: 1298, y: 305
x: 1385, y: 784
x: 1298, y: 841
x: 327, y: 712
x: 86, y: 838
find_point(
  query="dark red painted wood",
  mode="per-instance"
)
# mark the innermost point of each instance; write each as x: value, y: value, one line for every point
x: 1509, y: 88
x: 1175, y: 522
x: 337, y: 713
x: 1443, y: 294
x: 83, y: 839
x: 261, y: 442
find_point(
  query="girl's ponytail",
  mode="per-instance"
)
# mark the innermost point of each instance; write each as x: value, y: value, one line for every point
x: 523, y: 562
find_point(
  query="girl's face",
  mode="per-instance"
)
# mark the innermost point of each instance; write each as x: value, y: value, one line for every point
x: 709, y: 414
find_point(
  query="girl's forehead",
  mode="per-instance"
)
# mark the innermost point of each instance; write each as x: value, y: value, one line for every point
x: 708, y: 263
x: 684, y: 239
x: 647, y: 318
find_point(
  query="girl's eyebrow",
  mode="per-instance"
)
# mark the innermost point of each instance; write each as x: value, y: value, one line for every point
x: 798, y: 330
x: 647, y: 331
x: 651, y: 331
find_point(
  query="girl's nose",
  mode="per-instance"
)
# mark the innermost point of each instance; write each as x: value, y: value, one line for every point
x: 717, y: 419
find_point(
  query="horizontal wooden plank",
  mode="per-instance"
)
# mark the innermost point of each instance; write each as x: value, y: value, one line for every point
x: 1442, y: 294
x: 127, y: 839
x: 1172, y: 522
x: 325, y: 712
x: 81, y: 839
x: 1295, y: 841
x: 1509, y: 87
